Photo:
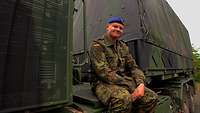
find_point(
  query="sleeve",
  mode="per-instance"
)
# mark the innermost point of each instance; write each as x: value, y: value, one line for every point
x: 100, y: 65
x: 133, y: 68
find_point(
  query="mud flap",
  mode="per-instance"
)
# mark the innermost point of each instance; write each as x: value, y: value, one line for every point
x: 164, y: 105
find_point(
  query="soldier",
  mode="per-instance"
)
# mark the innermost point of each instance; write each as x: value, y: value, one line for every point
x: 120, y: 83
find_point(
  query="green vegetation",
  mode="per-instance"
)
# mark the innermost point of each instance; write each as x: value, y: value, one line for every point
x: 196, y: 63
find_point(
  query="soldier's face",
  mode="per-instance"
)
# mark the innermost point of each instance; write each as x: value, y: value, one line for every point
x: 115, y: 30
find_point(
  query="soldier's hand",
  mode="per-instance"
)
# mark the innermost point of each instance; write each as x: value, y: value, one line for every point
x: 138, y: 92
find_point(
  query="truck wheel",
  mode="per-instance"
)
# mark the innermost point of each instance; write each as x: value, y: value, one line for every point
x: 191, y: 98
x: 185, y: 108
x: 188, y: 99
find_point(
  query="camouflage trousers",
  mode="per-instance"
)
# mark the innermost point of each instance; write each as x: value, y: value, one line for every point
x: 118, y: 99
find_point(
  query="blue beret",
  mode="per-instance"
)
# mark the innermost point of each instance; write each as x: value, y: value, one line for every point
x: 116, y: 19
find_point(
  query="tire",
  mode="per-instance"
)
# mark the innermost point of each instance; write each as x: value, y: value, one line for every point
x: 191, y: 98
x: 188, y: 99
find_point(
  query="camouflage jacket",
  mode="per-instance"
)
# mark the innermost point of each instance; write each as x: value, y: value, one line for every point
x: 113, y: 63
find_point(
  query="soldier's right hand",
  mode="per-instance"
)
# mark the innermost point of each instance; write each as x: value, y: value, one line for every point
x: 138, y: 92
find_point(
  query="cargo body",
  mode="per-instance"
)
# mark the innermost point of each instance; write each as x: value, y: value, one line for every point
x: 156, y: 37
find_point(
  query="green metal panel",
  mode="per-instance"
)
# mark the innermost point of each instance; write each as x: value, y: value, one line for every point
x: 69, y: 18
x: 37, y: 62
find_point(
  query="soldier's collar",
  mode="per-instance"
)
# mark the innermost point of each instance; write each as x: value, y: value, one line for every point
x: 108, y: 42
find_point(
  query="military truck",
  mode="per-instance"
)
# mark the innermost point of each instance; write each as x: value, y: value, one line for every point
x: 44, y: 62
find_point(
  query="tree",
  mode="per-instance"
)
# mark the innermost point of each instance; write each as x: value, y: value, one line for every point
x: 196, y: 64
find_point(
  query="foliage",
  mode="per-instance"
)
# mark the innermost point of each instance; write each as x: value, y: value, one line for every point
x: 196, y: 64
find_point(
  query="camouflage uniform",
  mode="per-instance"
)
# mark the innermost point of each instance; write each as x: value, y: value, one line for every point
x: 117, y: 76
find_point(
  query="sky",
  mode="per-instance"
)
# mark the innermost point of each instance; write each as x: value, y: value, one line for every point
x: 188, y: 12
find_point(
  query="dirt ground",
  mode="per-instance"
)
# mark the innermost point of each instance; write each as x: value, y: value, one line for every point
x: 197, y: 98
